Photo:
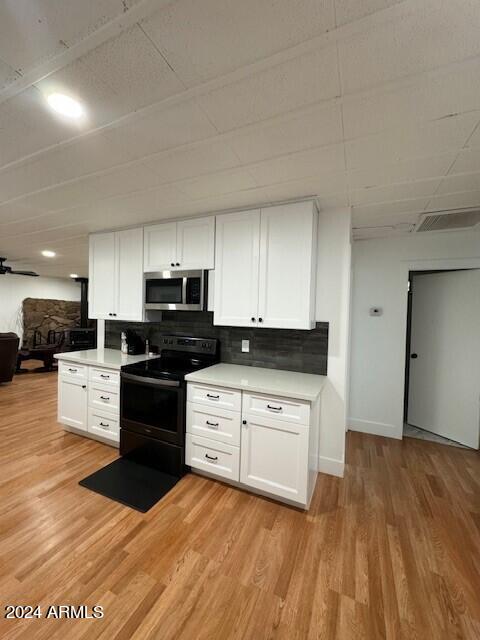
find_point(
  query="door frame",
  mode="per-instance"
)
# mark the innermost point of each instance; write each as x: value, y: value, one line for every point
x: 418, y: 266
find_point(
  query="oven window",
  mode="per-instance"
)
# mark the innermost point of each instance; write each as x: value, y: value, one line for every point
x: 167, y: 291
x: 151, y: 406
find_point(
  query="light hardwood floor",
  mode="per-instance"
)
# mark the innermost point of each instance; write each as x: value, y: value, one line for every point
x: 392, y: 551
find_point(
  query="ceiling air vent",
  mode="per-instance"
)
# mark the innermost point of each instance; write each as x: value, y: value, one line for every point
x: 449, y: 220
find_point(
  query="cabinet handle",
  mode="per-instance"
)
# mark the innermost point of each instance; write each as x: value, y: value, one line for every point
x: 244, y: 422
x: 212, y: 397
x: 102, y: 424
x: 172, y: 264
x: 214, y: 425
x: 177, y: 264
x: 210, y: 458
x: 269, y: 406
x: 73, y: 370
x: 104, y: 398
x: 260, y: 319
x: 148, y: 430
x: 84, y: 386
x: 104, y: 376
x: 114, y: 314
x: 253, y: 319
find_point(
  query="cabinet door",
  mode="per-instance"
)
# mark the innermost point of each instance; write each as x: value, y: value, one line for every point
x: 160, y: 247
x: 288, y: 239
x: 275, y: 457
x: 102, y: 276
x: 129, y: 275
x: 236, y: 269
x: 196, y: 243
x: 72, y: 402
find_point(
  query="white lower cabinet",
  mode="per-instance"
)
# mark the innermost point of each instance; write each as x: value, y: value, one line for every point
x: 275, y: 457
x: 72, y: 402
x: 104, y: 397
x: 212, y: 456
x: 89, y: 401
x: 214, y: 397
x: 220, y: 424
x: 268, y: 444
x: 103, y: 424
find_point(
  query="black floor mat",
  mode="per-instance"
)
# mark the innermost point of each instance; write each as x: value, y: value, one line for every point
x: 134, y: 485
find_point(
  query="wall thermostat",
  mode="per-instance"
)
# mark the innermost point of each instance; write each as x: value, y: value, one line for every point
x: 376, y: 311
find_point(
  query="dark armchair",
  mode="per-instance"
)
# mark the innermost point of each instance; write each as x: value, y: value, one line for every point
x: 8, y: 355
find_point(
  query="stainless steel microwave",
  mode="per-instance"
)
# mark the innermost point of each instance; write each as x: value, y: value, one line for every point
x: 176, y: 290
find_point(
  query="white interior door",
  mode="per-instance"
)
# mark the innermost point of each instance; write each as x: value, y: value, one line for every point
x: 444, y: 387
x: 236, y: 269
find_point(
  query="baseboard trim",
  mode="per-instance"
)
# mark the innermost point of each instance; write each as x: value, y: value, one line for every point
x: 331, y: 466
x: 374, y: 428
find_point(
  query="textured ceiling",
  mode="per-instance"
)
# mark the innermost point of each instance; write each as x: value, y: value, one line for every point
x: 204, y: 106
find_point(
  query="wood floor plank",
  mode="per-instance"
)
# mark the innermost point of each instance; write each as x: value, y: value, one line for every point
x: 390, y: 551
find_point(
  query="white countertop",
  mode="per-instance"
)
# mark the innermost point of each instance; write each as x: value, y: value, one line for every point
x: 302, y: 386
x: 108, y: 358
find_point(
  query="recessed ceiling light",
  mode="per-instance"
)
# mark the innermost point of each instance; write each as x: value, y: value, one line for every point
x: 74, y: 275
x: 48, y: 254
x: 65, y: 105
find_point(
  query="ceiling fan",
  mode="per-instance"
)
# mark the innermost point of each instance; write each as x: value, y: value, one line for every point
x: 4, y: 269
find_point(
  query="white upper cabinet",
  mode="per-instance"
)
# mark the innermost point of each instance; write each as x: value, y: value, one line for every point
x: 160, y: 246
x: 129, y: 275
x: 184, y: 245
x: 101, y: 287
x: 265, y: 267
x: 116, y: 275
x: 196, y: 243
x: 236, y: 269
x: 264, y: 262
x: 288, y: 241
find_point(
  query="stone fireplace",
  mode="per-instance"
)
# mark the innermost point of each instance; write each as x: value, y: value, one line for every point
x: 44, y: 315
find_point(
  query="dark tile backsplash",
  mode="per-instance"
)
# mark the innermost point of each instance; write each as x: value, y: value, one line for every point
x: 294, y: 350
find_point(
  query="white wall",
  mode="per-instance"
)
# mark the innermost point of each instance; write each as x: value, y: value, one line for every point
x: 380, y: 277
x: 333, y: 306
x: 14, y: 289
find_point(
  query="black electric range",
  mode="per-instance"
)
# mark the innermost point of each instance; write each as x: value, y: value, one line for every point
x: 153, y: 402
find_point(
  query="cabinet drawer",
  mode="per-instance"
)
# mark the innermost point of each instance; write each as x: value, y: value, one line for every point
x: 104, y: 397
x: 230, y: 399
x: 103, y: 424
x: 217, y: 458
x: 72, y: 369
x: 286, y: 409
x: 104, y: 376
x: 213, y: 422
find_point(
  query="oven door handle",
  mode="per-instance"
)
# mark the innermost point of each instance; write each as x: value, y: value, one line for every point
x: 153, y: 382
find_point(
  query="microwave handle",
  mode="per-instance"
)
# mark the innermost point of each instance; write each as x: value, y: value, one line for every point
x: 151, y: 382
x: 184, y: 289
